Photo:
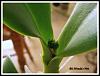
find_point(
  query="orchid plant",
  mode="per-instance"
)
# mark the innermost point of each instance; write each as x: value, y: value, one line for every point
x: 78, y: 35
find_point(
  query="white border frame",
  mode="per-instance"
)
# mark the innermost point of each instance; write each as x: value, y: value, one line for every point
x: 50, y: 2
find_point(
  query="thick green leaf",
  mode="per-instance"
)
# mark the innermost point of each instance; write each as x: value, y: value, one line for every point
x: 8, y: 66
x: 32, y: 19
x: 53, y: 65
x: 81, y: 19
x: 85, y: 38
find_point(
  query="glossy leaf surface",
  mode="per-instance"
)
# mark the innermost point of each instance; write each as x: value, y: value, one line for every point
x: 32, y: 19
x: 80, y: 33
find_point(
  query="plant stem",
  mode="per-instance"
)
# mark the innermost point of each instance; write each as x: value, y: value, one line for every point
x: 51, y: 69
x: 50, y: 60
x: 53, y: 65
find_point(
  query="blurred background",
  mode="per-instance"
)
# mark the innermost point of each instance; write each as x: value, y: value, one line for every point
x: 28, y: 50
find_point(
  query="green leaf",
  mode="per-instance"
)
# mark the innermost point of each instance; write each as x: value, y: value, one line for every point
x: 8, y: 66
x: 79, y: 34
x: 53, y: 65
x: 32, y: 19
